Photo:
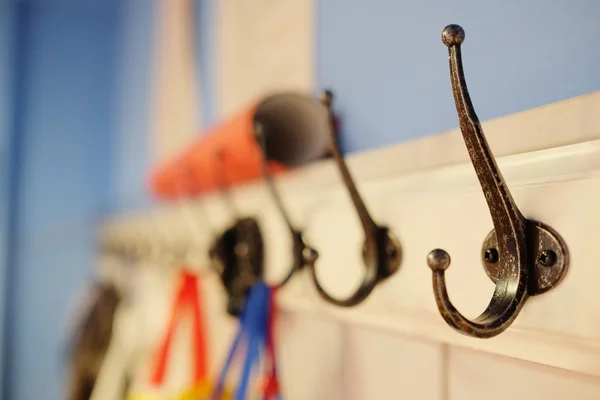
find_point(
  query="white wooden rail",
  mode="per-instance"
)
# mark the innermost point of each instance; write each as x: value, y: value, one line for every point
x: 426, y: 191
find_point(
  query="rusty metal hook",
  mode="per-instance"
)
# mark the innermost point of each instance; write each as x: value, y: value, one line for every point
x: 304, y: 255
x: 521, y: 256
x: 381, y: 251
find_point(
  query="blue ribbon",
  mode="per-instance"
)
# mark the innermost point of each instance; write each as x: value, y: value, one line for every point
x: 251, y: 334
x: 257, y: 336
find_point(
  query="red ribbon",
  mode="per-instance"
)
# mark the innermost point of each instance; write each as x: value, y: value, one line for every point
x: 187, y: 298
x: 271, y: 388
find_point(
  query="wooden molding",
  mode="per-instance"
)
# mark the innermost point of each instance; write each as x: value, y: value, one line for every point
x: 427, y: 193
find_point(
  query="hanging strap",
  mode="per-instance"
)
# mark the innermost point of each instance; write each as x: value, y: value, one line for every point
x: 260, y: 292
x: 250, y: 339
x: 241, y: 339
x: 271, y: 388
x: 252, y: 357
x: 187, y: 298
x: 218, y: 390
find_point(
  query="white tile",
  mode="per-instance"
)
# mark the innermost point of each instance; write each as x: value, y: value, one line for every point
x: 475, y: 376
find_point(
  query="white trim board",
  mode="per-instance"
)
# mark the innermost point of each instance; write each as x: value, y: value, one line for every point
x: 427, y: 193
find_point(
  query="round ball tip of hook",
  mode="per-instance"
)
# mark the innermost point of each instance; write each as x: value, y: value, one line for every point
x: 453, y: 35
x: 438, y: 260
x: 327, y: 97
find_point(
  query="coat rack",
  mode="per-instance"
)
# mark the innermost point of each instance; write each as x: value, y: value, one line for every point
x: 429, y: 203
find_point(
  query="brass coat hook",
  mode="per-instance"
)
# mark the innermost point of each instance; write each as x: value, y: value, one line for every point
x: 237, y: 253
x: 381, y: 250
x: 303, y: 254
x: 523, y: 257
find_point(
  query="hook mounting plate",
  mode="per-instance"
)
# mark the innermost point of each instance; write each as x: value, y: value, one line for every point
x: 238, y: 257
x: 390, y: 249
x: 547, y: 251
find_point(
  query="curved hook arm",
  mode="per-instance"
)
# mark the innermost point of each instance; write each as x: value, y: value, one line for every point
x: 303, y: 254
x: 387, y: 261
x: 369, y: 226
x: 381, y: 251
x: 511, y: 287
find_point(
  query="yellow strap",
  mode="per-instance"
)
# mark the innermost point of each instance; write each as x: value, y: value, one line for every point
x: 200, y: 392
x: 203, y: 391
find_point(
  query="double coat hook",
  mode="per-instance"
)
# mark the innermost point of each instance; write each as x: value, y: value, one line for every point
x: 381, y: 250
x: 523, y: 257
x: 303, y: 254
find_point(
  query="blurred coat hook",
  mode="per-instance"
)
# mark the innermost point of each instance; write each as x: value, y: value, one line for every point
x: 295, y: 129
x: 303, y: 254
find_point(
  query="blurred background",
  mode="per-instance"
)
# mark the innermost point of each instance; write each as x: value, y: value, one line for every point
x: 88, y: 108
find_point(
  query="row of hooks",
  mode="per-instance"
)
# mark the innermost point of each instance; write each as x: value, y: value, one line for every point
x: 523, y: 257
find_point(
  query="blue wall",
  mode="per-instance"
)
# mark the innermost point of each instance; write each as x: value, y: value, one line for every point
x: 64, y: 119
x: 7, y: 48
x: 205, y: 52
x: 131, y: 150
x: 386, y: 62
x: 81, y: 72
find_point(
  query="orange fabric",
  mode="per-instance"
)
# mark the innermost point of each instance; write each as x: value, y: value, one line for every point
x: 242, y: 159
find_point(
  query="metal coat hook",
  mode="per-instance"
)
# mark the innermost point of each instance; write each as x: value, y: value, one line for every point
x: 523, y: 257
x: 381, y: 251
x: 238, y: 253
x: 303, y: 254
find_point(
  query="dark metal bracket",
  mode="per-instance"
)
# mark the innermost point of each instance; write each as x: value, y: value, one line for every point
x: 238, y: 257
x: 237, y: 254
x: 547, y: 251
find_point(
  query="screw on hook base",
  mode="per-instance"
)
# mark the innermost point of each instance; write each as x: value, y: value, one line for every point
x: 491, y: 255
x: 546, y: 258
